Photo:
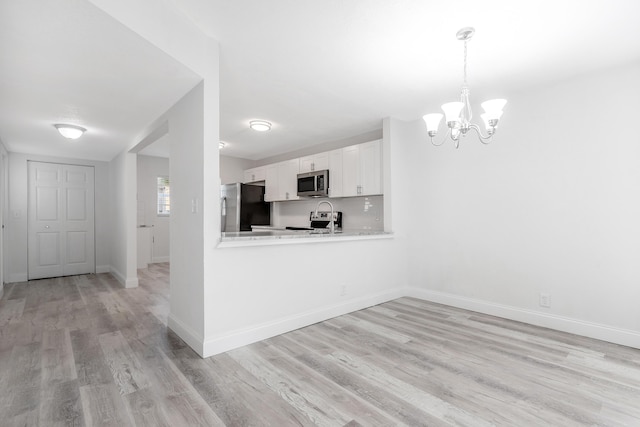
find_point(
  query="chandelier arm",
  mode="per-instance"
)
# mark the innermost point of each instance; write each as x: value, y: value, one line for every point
x: 486, y: 140
x: 443, y: 139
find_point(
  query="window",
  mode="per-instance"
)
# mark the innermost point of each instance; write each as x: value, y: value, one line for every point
x: 164, y: 196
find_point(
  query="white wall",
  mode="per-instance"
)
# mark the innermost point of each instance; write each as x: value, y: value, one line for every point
x: 262, y: 291
x: 16, y: 224
x: 232, y: 169
x: 122, y: 196
x: 193, y: 125
x: 187, y: 240
x: 550, y: 206
x: 4, y: 180
x: 149, y: 168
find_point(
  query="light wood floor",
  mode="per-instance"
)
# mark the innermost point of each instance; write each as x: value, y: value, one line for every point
x: 84, y: 351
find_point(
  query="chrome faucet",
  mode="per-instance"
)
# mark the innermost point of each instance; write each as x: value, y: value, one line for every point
x: 331, y: 225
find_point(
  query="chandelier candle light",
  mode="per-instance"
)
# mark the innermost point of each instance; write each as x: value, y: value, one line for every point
x: 458, y: 114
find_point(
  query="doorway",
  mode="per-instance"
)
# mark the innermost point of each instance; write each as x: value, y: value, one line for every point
x: 61, y: 224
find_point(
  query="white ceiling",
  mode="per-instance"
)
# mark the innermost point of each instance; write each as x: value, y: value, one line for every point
x: 66, y: 61
x: 318, y: 70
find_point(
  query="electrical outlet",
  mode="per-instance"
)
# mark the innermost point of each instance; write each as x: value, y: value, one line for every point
x: 545, y: 300
x: 343, y: 290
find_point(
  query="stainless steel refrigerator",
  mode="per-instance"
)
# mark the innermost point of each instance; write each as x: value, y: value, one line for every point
x: 243, y: 205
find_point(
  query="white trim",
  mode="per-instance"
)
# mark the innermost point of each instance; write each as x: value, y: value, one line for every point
x: 103, y: 269
x: 188, y: 335
x: 17, y: 277
x: 131, y: 282
x: 566, y: 324
x: 158, y: 259
x: 235, y: 339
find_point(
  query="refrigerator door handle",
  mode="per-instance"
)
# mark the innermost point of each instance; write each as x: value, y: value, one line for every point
x: 223, y: 215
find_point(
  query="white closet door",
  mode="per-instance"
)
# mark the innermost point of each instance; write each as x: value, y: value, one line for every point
x: 61, y: 220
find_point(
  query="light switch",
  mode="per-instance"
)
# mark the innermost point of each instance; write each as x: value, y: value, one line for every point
x: 194, y: 205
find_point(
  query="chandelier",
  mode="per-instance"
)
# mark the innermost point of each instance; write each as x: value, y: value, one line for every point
x: 458, y: 114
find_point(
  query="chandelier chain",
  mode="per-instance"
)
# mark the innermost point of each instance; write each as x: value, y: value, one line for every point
x: 465, y: 63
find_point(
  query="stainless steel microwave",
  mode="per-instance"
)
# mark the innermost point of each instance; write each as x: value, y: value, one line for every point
x: 313, y: 184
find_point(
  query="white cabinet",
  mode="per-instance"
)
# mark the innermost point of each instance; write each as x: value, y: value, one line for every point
x: 362, y: 169
x: 271, y: 183
x: 255, y: 174
x: 288, y: 180
x: 317, y: 162
x: 281, y: 181
x: 353, y: 171
x: 335, y: 173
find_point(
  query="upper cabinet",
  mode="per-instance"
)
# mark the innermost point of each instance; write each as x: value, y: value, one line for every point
x: 317, y: 162
x: 288, y: 180
x: 281, y: 181
x: 271, y: 183
x: 362, y: 169
x: 353, y: 171
x: 255, y: 174
x: 335, y: 173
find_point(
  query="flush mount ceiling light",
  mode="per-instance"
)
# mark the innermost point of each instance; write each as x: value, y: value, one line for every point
x: 70, y: 131
x: 458, y: 114
x: 260, y: 125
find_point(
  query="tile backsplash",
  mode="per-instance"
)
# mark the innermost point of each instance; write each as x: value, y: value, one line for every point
x: 358, y: 213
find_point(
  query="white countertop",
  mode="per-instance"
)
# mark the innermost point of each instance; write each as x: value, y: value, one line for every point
x: 275, y: 236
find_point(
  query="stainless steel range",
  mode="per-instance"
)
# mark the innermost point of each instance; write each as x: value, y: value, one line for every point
x: 321, y: 220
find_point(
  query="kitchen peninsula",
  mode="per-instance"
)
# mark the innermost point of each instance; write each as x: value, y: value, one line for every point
x: 353, y: 199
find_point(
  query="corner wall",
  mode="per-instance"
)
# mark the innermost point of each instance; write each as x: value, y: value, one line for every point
x: 123, y: 215
x: 551, y: 206
x: 232, y: 169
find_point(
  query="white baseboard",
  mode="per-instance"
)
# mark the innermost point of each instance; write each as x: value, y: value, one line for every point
x: 188, y: 335
x: 158, y: 259
x: 220, y: 344
x: 579, y: 327
x: 17, y: 277
x: 103, y: 269
x: 131, y: 282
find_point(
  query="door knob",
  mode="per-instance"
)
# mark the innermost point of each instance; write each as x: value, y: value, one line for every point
x: 46, y: 226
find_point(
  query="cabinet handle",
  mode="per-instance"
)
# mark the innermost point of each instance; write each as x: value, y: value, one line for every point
x: 287, y: 196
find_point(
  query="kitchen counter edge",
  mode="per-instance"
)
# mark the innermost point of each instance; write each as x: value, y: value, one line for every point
x: 266, y: 239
